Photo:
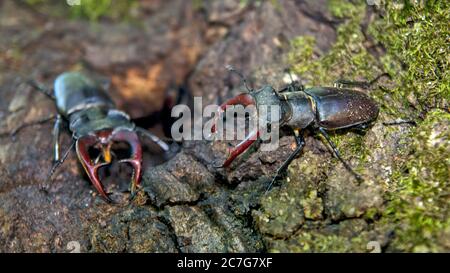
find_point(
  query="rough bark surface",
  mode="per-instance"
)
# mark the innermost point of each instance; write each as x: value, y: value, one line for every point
x: 188, y: 205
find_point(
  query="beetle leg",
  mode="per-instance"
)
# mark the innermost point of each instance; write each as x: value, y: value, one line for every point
x: 82, y: 146
x: 361, y: 128
x: 163, y: 145
x: 60, y: 161
x: 341, y: 83
x: 300, y: 141
x: 337, y: 154
x: 400, y: 122
x: 57, y: 163
x: 56, y: 133
x: 132, y: 139
x: 292, y: 87
x: 361, y: 84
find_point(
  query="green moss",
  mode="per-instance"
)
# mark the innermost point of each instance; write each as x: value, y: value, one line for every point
x: 35, y: 2
x: 345, y: 9
x: 416, y: 41
x: 317, y: 242
x: 283, y: 210
x: 417, y: 36
x: 198, y: 4
x: 371, y: 214
x: 313, y: 206
x: 347, y: 58
x: 413, y: 49
x: 416, y: 58
x: 94, y: 9
x: 320, y: 243
x: 421, y: 203
x: 280, y: 214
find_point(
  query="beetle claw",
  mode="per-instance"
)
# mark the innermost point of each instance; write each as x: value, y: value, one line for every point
x: 105, y: 139
x: 136, y: 155
x: 245, y: 100
x: 91, y: 168
x: 242, y: 99
x: 241, y: 147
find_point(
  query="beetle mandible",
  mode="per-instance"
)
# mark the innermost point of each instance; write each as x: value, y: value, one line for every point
x: 320, y: 109
x: 94, y: 122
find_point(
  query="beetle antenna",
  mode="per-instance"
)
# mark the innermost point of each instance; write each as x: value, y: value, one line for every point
x: 243, y: 78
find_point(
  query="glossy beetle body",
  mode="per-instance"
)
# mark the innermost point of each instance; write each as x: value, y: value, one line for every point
x: 95, y: 123
x: 325, y: 107
x: 86, y: 106
x: 320, y: 109
x: 74, y: 92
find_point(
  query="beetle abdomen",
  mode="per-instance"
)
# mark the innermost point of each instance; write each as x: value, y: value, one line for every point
x: 341, y: 108
x: 74, y: 91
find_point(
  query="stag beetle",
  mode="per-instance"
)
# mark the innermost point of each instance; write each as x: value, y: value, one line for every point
x: 95, y: 123
x: 319, y: 109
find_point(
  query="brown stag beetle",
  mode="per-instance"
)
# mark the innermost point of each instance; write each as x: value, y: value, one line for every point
x: 95, y: 123
x: 319, y: 109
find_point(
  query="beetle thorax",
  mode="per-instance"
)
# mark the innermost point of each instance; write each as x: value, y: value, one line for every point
x: 96, y: 119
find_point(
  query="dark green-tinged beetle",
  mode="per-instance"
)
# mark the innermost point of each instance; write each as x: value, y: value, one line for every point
x: 95, y: 123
